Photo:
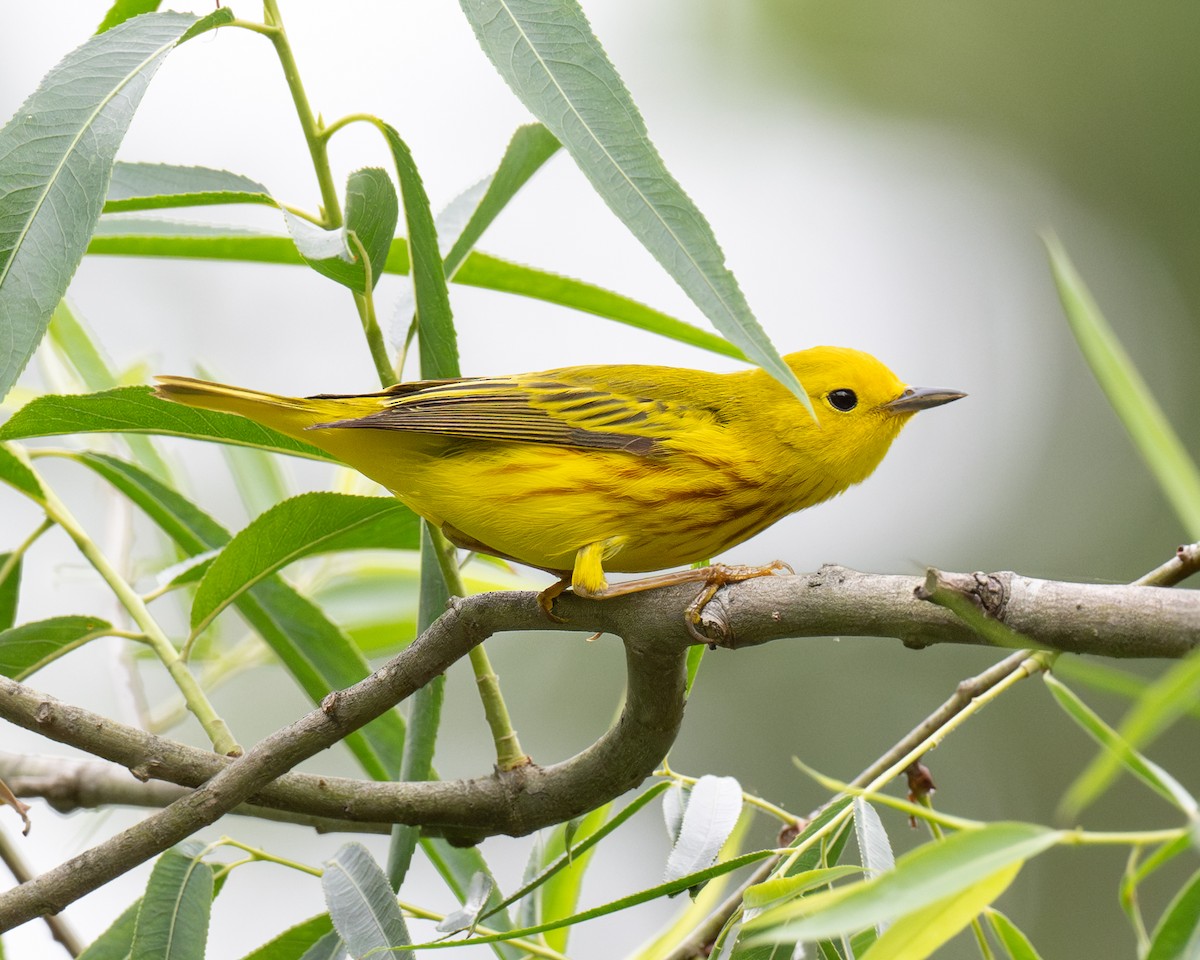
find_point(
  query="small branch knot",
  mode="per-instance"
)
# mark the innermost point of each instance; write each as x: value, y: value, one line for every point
x: 990, y: 594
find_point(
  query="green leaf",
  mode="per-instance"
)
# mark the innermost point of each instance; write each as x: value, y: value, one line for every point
x: 1164, y: 701
x: 530, y: 147
x: 916, y: 935
x: 115, y: 942
x: 1010, y: 937
x: 329, y: 947
x: 70, y: 338
x: 457, y: 866
x: 172, y: 922
x: 123, y: 10
x: 923, y: 876
x: 160, y: 238
x: 137, y: 410
x: 874, y: 847
x: 258, y: 477
x: 26, y: 649
x: 1144, y: 769
x: 779, y: 890
x: 1136, y: 871
x: 559, y: 894
x: 155, y: 186
x: 1178, y: 934
x: 10, y: 588
x: 293, y: 943
x: 1107, y: 678
x: 467, y: 916
x: 371, y: 215
x: 435, y: 323
x: 425, y: 713
x: 491, y: 273
x: 713, y: 807
x: 362, y: 905
x: 79, y: 350
x: 308, y: 524
x: 15, y: 473
x: 56, y: 157
x: 1130, y: 396
x: 462, y: 222
x: 313, y: 649
x: 549, y: 57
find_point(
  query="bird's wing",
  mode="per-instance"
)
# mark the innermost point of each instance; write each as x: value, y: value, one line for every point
x: 581, y: 408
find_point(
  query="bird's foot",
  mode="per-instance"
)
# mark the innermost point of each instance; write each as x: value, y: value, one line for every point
x: 715, y: 577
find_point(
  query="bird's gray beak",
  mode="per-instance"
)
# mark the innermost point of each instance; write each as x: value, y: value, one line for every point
x: 922, y: 398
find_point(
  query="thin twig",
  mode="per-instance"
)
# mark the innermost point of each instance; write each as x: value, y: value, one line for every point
x: 60, y: 930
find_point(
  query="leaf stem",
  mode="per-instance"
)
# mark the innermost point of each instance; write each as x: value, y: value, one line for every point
x: 218, y: 731
x: 509, y: 754
x: 365, y: 302
x: 14, y: 558
x: 331, y: 208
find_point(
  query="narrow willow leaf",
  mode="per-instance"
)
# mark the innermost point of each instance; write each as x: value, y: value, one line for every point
x: 71, y: 339
x: 362, y: 905
x: 56, y: 157
x: 923, y: 876
x: 79, y: 350
x: 305, y: 525
x: 157, y: 238
x: 26, y: 649
x: 547, y: 54
x: 916, y: 935
x: 779, y: 890
x: 172, y: 923
x: 463, y: 221
x: 10, y: 588
x: 15, y: 473
x: 585, y: 844
x: 329, y: 947
x: 314, y: 650
x: 435, y: 323
x: 115, y: 942
x: 371, y: 214
x: 1129, y: 394
x: 530, y: 147
x: 1108, y: 679
x: 1144, y: 769
x: 1011, y: 938
x: 294, y: 942
x: 874, y: 847
x: 156, y: 186
x: 424, y: 716
x: 559, y: 895
x: 457, y: 866
x: 1136, y: 873
x: 1177, y: 936
x: 465, y: 918
x: 258, y: 477
x: 123, y: 10
x: 673, y: 807
x: 137, y: 410
x: 713, y: 807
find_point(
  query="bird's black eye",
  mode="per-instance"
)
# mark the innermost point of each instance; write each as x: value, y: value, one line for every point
x: 843, y: 400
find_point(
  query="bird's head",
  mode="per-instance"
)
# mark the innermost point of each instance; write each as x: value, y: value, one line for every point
x: 860, y: 406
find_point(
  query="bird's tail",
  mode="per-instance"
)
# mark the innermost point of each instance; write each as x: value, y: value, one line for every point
x: 291, y: 415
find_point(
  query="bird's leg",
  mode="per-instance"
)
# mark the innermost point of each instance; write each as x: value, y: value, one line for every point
x: 547, y: 597
x: 714, y: 578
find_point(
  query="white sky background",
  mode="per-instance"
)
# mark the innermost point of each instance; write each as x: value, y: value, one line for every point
x: 904, y: 240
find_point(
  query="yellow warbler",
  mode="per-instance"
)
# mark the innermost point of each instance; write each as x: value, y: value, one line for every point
x: 620, y: 467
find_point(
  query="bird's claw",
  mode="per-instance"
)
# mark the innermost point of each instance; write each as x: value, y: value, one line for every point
x: 719, y: 575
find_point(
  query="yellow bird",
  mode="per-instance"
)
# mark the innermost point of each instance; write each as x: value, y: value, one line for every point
x: 625, y: 468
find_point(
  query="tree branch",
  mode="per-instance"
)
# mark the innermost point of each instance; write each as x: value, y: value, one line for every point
x: 1117, y: 621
